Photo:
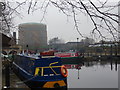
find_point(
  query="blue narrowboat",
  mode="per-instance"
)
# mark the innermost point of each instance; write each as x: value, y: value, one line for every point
x: 40, y: 71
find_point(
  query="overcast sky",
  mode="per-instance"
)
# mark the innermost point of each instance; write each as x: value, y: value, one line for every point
x: 58, y: 25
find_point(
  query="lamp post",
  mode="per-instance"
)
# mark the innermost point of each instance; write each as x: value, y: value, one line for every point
x: 77, y: 44
x: 115, y: 44
x: 111, y: 49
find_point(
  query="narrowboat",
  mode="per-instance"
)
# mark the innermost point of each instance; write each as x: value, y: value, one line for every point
x: 73, y: 57
x: 40, y: 71
x: 66, y: 57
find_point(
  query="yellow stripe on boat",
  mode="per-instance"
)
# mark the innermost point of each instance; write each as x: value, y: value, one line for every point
x: 49, y: 67
x: 51, y: 84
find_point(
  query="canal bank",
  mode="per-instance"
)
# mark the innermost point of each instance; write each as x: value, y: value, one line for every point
x: 15, y: 82
x: 101, y: 57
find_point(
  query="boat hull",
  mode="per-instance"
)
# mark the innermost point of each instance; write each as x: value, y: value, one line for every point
x: 34, y: 82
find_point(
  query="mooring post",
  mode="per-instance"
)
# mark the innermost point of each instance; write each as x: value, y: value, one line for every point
x: 78, y: 74
x: 111, y: 62
x: 116, y: 65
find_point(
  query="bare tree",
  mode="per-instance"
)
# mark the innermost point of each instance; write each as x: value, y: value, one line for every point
x: 8, y: 13
x: 100, y: 13
x: 5, y: 19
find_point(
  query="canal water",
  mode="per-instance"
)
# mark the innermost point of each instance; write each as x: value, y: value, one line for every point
x: 94, y: 74
x: 88, y: 74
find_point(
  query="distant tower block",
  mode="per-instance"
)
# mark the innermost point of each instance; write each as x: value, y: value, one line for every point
x: 33, y: 36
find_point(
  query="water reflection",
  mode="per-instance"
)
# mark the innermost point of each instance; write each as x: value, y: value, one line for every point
x: 74, y: 66
x: 112, y: 63
x: 93, y: 74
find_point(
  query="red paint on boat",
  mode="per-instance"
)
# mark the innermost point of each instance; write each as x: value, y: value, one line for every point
x: 66, y: 54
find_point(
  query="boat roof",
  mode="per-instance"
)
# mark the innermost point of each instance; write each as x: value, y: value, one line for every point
x: 36, y: 56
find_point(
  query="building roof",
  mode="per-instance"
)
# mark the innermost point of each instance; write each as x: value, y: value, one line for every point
x: 5, y: 40
x: 31, y: 24
x: 74, y: 43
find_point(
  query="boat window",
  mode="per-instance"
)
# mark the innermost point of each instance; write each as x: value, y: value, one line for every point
x: 46, y: 71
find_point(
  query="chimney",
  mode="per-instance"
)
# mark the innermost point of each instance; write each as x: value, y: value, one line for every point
x: 14, y: 36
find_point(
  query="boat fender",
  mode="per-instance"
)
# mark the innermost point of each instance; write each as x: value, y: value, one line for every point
x: 64, y: 71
